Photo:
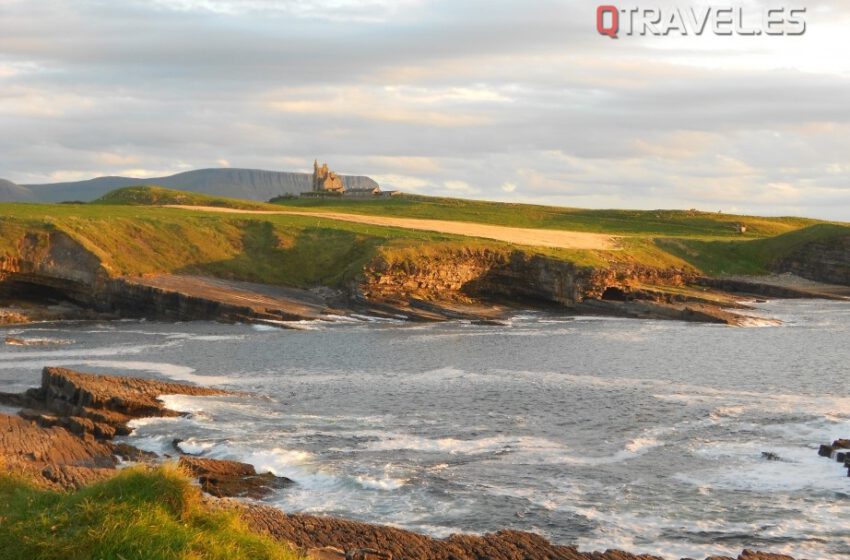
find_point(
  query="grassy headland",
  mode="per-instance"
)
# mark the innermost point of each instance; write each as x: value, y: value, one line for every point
x: 132, y: 234
x: 150, y: 514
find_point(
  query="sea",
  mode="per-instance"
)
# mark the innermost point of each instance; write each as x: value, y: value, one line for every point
x: 648, y: 436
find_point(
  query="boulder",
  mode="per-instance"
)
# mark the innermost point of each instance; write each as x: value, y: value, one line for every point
x: 825, y: 450
x: 231, y: 479
x: 841, y: 444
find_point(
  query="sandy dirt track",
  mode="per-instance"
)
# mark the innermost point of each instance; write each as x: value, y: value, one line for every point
x: 559, y: 239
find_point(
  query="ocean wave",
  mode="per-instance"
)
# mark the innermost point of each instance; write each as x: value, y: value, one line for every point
x: 78, y: 353
x: 385, y: 483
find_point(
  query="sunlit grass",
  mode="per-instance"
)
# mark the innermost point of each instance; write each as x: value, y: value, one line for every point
x: 144, y: 514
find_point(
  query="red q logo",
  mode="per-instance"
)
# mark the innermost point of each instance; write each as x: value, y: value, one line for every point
x: 612, y: 29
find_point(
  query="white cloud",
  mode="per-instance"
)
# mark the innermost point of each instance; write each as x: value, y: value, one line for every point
x: 488, y: 99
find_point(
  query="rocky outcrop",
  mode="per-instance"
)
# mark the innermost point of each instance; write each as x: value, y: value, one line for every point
x: 438, y: 282
x: 822, y: 261
x: 53, y: 455
x: 108, y: 401
x: 63, y: 434
x: 515, y: 276
x: 231, y: 479
x: 839, y: 450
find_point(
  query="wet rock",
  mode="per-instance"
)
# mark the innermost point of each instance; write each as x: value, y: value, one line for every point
x: 69, y: 393
x: 770, y: 456
x: 841, y: 444
x: 326, y: 553
x: 61, y: 437
x: 231, y: 478
x: 129, y: 453
x: 825, y: 450
x: 100, y: 405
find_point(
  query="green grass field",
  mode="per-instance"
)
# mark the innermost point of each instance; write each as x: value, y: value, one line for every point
x: 140, y: 514
x: 132, y: 235
x: 620, y: 222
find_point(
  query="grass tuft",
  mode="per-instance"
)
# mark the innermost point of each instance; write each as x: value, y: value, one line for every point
x: 140, y: 514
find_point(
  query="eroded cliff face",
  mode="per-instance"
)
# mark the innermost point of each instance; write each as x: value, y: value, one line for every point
x: 517, y: 277
x: 434, y: 283
x: 822, y: 261
x: 54, y: 267
x: 53, y: 261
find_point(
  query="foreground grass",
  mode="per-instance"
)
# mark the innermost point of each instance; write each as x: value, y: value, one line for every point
x: 140, y: 514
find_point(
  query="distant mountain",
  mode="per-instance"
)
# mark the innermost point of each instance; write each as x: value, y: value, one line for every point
x: 9, y: 191
x: 248, y: 184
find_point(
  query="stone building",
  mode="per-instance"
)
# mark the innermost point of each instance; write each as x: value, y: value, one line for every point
x: 325, y: 180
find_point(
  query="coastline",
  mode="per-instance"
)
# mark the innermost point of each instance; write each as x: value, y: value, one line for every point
x: 63, y: 439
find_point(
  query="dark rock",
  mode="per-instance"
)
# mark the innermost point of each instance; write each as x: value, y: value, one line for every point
x: 129, y: 453
x: 368, y: 554
x: 841, y: 444
x: 62, y: 435
x: 231, y: 478
x: 825, y: 450
x: 770, y: 456
x: 841, y: 457
x: 751, y: 555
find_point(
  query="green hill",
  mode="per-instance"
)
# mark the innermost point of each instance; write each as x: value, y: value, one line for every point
x: 152, y: 195
x: 132, y: 234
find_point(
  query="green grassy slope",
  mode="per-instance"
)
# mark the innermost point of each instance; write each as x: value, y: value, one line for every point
x: 718, y: 257
x: 132, y: 235
x: 298, y: 251
x: 152, y: 195
x: 139, y: 514
x: 620, y: 222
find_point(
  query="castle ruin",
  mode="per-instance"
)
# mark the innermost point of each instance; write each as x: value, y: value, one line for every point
x: 325, y: 180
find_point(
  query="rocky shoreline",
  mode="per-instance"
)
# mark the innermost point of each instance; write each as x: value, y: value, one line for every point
x: 64, y: 438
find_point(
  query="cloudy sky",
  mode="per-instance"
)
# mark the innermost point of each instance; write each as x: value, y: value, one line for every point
x: 503, y: 99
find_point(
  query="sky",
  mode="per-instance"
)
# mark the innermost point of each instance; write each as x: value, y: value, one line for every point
x: 515, y: 100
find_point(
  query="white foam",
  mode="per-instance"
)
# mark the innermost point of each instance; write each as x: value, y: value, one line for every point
x: 264, y: 328
x: 172, y: 371
x: 385, y: 483
x: 448, y: 445
x: 741, y: 467
x: 641, y: 445
x: 66, y: 354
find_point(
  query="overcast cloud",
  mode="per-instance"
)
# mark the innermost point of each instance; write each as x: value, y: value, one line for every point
x: 514, y: 100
